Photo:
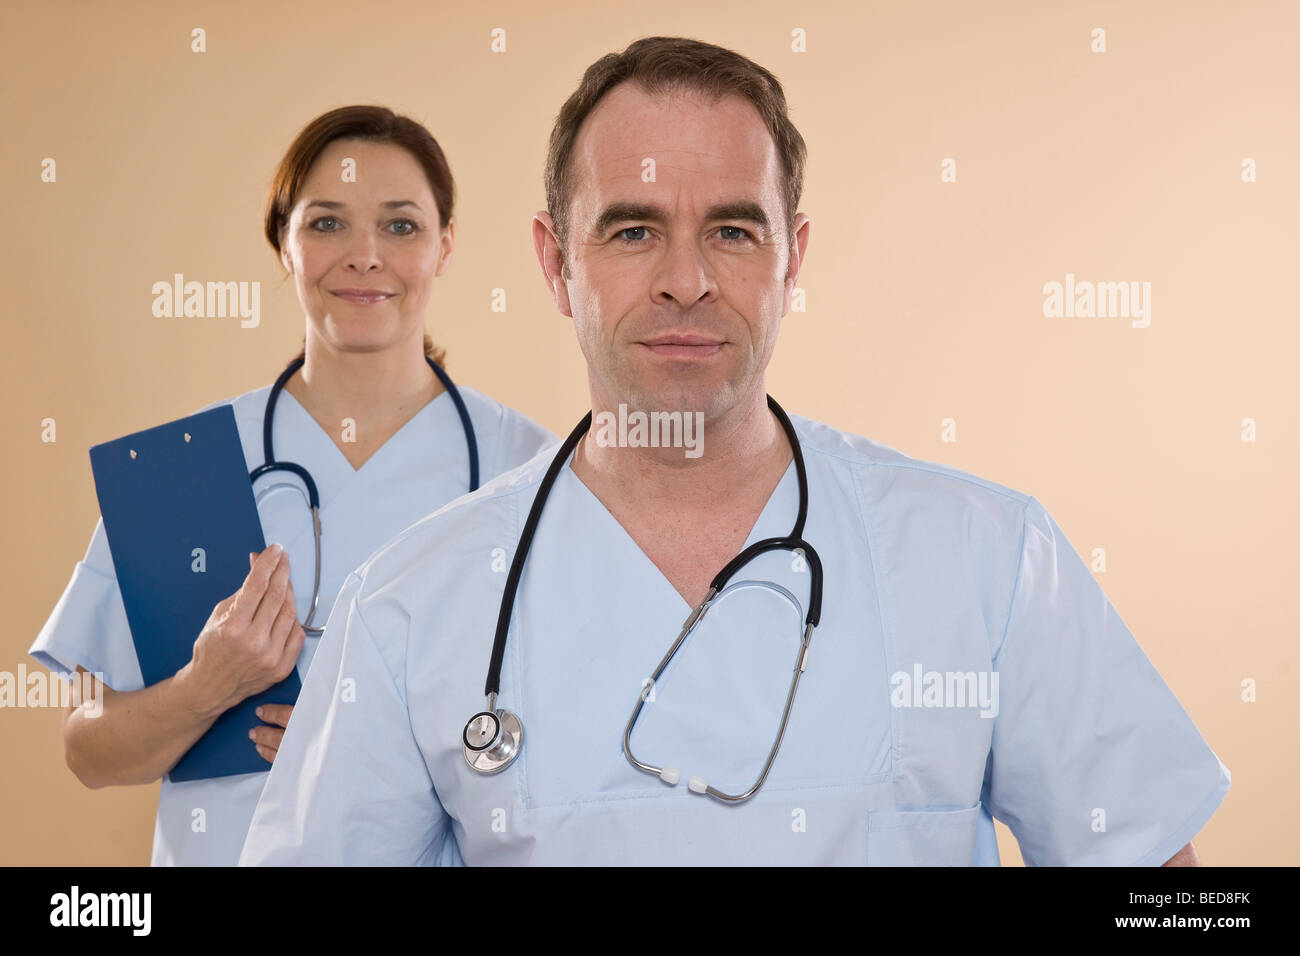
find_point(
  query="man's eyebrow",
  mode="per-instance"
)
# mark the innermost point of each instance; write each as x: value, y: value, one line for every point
x: 389, y: 204
x: 627, y: 211
x: 742, y: 210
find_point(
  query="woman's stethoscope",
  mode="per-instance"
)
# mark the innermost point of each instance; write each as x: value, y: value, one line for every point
x: 493, y: 738
x: 313, y: 498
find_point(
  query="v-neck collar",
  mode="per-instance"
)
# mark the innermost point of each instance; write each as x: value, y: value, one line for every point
x: 305, y: 441
x: 774, y: 521
x: 424, y: 411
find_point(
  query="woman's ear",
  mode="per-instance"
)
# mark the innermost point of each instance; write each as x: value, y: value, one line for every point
x: 447, y: 245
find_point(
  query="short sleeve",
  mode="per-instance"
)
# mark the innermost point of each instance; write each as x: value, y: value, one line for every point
x: 1094, y: 761
x: 88, y: 626
x: 349, y: 785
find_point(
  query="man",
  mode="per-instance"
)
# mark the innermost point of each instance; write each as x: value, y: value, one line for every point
x: 965, y: 664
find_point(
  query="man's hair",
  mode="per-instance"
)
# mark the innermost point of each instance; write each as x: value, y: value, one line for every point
x: 661, y: 65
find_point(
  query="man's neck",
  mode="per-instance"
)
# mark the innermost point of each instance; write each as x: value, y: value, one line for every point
x: 690, y: 516
x: 742, y: 443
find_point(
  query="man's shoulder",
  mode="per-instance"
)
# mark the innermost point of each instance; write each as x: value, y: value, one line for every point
x: 885, y: 477
x: 893, y: 477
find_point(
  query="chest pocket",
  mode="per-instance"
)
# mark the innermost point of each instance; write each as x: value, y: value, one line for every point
x: 922, y: 837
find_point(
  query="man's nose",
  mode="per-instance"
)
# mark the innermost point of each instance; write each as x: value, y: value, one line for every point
x: 684, y: 275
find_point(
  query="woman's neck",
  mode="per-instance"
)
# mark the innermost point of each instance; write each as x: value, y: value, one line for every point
x: 361, y: 399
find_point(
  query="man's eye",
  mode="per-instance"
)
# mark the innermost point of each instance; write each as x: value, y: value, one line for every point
x: 318, y: 224
x: 740, y: 236
x: 623, y: 233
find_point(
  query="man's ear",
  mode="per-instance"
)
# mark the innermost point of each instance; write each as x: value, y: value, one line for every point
x: 801, y: 227
x: 550, y: 257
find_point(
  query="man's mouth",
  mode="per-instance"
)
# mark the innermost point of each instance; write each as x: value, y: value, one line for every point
x: 685, y: 345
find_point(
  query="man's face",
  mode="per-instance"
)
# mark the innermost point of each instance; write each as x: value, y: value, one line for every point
x: 680, y: 263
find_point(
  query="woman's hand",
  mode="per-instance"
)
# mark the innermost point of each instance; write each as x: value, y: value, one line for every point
x: 267, y: 738
x: 250, y: 642
x: 252, y: 638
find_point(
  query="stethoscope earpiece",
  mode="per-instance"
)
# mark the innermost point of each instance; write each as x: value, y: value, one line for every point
x: 673, y: 775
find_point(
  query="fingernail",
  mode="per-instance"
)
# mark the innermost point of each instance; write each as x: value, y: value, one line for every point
x: 252, y: 734
x: 276, y: 548
x: 258, y: 711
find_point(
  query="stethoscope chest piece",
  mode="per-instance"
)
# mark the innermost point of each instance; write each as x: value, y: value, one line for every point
x: 492, y: 740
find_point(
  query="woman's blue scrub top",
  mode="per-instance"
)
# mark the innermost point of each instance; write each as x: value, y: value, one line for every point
x: 419, y: 469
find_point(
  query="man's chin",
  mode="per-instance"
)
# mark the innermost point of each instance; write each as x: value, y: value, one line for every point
x: 710, y: 397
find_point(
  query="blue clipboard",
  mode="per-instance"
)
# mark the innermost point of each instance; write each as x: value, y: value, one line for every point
x: 180, y: 517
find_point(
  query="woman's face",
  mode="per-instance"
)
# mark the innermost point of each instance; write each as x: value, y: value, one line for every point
x: 363, y: 244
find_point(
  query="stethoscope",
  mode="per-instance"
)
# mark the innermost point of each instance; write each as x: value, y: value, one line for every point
x: 313, y: 498
x: 493, y: 737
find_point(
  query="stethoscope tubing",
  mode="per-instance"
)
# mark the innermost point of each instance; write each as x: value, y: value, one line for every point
x: 493, y: 738
x: 492, y: 686
x: 270, y: 463
x: 793, y: 541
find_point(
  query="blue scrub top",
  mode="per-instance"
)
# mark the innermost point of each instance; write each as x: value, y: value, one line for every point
x: 967, y: 666
x: 424, y: 465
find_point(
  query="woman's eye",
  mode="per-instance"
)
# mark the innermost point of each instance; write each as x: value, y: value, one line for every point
x: 320, y: 226
x: 623, y: 233
x: 404, y: 227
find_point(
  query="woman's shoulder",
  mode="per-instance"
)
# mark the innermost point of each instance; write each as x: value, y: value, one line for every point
x: 249, y: 406
x: 477, y: 401
x: 249, y: 409
x: 506, y: 436
x: 501, y: 415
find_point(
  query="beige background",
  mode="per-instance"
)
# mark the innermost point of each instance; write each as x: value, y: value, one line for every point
x: 924, y: 298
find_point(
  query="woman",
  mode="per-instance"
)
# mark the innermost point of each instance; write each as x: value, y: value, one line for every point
x: 360, y: 213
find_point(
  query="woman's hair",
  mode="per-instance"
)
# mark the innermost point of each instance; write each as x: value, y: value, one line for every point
x: 376, y: 124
